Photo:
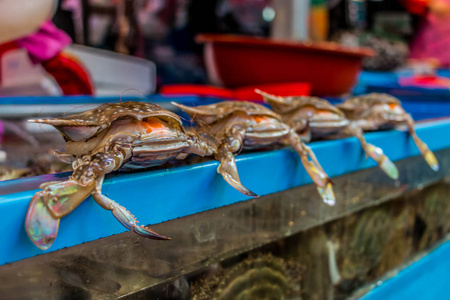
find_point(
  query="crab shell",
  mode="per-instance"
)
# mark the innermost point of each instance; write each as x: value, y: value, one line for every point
x: 214, y: 112
x: 323, y: 119
x: 85, y: 125
x: 358, y: 107
x: 293, y: 103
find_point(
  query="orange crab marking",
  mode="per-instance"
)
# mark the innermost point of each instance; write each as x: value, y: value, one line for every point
x: 151, y: 125
x: 323, y: 111
x: 392, y: 105
x: 259, y: 119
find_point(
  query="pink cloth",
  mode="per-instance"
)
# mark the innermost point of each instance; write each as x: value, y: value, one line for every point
x: 433, y: 38
x: 46, y: 43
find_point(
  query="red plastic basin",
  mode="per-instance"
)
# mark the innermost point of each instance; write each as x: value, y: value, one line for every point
x: 236, y: 61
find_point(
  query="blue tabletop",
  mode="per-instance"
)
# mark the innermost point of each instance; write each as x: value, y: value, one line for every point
x: 160, y: 195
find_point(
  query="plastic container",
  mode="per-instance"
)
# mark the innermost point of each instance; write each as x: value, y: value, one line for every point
x: 115, y: 73
x: 236, y: 61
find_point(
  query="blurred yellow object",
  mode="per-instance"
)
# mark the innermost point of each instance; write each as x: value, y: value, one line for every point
x: 318, y: 22
x: 19, y: 18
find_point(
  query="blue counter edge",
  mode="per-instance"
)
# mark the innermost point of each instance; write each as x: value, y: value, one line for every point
x: 425, y: 279
x: 156, y: 196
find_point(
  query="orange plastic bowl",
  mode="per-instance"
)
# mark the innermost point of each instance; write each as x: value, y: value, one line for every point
x: 235, y: 61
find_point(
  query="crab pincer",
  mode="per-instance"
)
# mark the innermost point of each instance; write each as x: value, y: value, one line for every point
x: 313, y: 168
x: 123, y: 215
x: 423, y: 148
x: 228, y: 169
x: 374, y: 152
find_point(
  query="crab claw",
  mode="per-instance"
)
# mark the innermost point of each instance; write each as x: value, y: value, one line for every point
x: 427, y: 154
x: 57, y: 199
x: 228, y: 170
x: 423, y: 148
x: 40, y: 225
x: 125, y: 217
x: 385, y: 164
x: 130, y: 222
x: 431, y: 160
x: 322, y: 181
x: 313, y: 168
x: 382, y: 160
x: 327, y: 194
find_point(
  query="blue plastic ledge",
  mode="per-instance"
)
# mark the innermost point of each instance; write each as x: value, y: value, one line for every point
x: 155, y: 196
x: 426, y: 279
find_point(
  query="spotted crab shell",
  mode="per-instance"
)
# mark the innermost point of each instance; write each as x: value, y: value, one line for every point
x: 296, y: 102
x: 211, y: 113
x: 84, y: 125
x: 365, y: 102
x: 289, y: 104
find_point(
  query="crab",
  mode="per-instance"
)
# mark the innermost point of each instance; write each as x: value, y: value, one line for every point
x: 238, y: 125
x: 378, y: 111
x: 314, y: 118
x: 127, y: 135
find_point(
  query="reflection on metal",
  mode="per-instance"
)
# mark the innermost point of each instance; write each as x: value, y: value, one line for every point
x: 260, y: 276
x: 123, y: 265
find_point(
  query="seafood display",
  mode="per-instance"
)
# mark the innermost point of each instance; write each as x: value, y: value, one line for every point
x: 136, y: 135
x: 377, y: 111
x: 238, y: 125
x: 313, y: 118
x: 129, y: 135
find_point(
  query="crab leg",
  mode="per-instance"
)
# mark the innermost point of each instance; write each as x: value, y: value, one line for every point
x: 386, y: 165
x: 199, y: 145
x: 122, y: 214
x: 313, y: 168
x: 423, y: 148
x: 227, y: 168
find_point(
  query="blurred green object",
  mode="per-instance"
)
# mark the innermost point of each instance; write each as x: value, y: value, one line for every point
x: 392, y: 25
x: 318, y: 2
